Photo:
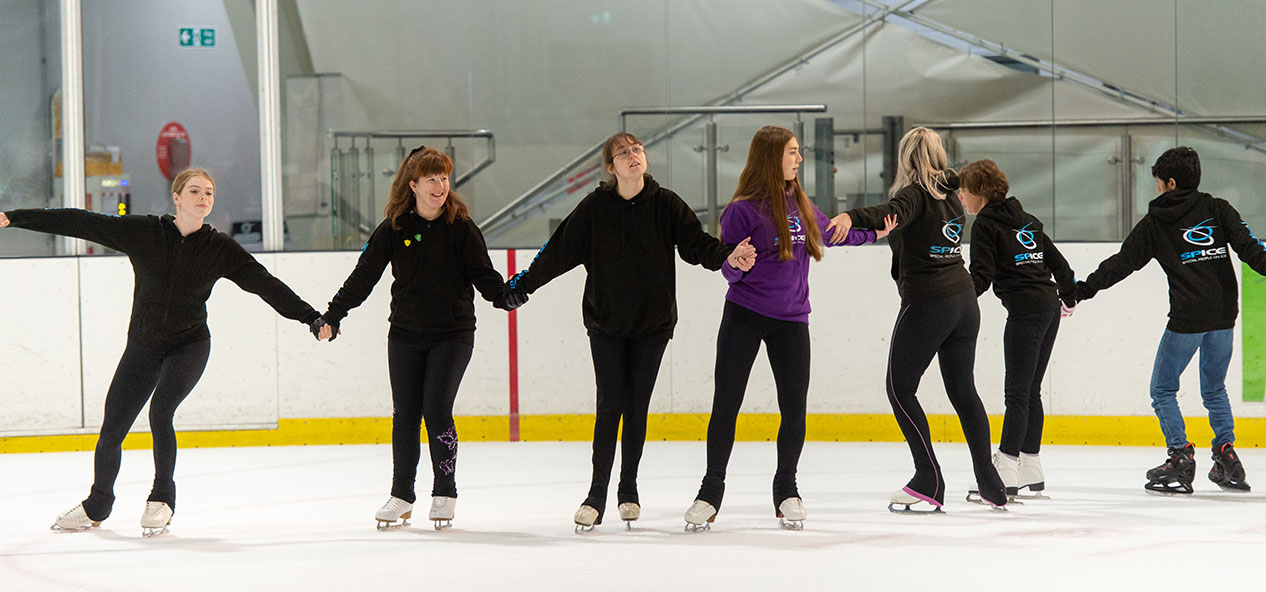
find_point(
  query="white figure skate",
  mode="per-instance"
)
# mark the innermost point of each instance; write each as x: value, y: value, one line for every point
x: 700, y: 516
x: 155, y: 519
x: 1030, y: 477
x: 903, y: 501
x: 394, y: 510
x: 586, y: 518
x: 442, y: 510
x: 630, y: 511
x: 791, y: 514
x: 73, y: 520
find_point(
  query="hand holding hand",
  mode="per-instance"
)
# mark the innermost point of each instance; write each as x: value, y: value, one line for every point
x: 890, y: 222
x: 510, y: 298
x: 841, y: 223
x: 323, y: 330
x: 4, y: 220
x: 744, y: 255
x: 1066, y: 311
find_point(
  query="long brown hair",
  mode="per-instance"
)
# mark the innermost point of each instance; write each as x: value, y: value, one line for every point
x: 419, y: 164
x: 762, y: 180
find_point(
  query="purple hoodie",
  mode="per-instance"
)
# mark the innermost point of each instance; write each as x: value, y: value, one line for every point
x: 776, y: 289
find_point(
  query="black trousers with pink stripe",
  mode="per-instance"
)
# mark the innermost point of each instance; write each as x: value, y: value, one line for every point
x: 945, y: 328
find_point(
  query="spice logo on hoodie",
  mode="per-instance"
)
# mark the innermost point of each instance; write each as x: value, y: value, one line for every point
x: 953, y: 231
x: 1201, y: 235
x: 1028, y: 239
x: 797, y: 230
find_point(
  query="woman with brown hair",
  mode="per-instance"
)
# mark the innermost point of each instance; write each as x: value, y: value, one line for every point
x: 438, y: 258
x: 624, y: 233
x: 768, y: 303
x: 176, y: 259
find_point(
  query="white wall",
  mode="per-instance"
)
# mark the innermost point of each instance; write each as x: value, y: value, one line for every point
x: 264, y: 367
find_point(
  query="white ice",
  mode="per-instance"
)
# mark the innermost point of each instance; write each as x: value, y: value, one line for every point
x: 300, y: 518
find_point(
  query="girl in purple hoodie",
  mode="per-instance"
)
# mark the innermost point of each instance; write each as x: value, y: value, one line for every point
x: 770, y: 304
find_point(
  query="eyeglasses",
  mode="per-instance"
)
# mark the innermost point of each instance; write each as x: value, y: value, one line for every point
x: 631, y: 150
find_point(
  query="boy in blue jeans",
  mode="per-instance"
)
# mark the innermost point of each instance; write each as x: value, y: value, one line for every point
x: 1188, y: 233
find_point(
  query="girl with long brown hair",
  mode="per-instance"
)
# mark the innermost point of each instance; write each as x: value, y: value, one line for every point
x: 624, y: 233
x: 768, y: 303
x: 438, y: 258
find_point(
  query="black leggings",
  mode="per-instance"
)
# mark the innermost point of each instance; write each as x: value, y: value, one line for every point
x: 1027, y: 343
x: 625, y: 369
x: 738, y: 341
x: 424, y: 382
x: 945, y: 328
x: 143, y: 370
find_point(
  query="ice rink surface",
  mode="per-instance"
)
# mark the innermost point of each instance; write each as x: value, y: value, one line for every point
x: 300, y: 518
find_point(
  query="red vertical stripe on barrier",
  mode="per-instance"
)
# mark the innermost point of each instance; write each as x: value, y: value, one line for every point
x: 513, y: 351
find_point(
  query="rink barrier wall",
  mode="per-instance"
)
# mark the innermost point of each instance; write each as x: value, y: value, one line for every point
x: 755, y: 427
x: 269, y: 383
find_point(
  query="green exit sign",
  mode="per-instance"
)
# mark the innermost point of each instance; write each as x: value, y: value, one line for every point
x: 192, y: 37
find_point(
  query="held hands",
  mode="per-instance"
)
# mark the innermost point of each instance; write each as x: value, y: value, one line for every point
x: 1066, y: 311
x: 744, y: 256
x: 510, y: 298
x: 323, y: 330
x: 4, y: 220
x: 890, y: 222
x: 841, y: 223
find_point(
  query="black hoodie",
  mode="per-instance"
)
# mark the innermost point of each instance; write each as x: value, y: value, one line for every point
x: 436, y: 266
x: 626, y: 246
x: 1188, y: 233
x: 927, y: 259
x: 1009, y: 250
x: 174, y: 273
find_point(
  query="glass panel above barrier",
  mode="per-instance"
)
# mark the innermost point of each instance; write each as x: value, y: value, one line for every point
x: 30, y: 142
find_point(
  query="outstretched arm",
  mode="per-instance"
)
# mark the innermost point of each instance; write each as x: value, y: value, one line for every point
x: 373, y: 260
x: 984, y: 263
x: 1135, y: 252
x: 1250, y: 249
x: 562, y: 252
x: 114, y: 232
x: 252, y: 277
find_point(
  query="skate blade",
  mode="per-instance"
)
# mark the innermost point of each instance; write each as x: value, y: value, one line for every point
x: 791, y: 524
x: 909, y: 509
x: 1240, y: 487
x: 148, y: 532
x: 628, y: 524
x: 1169, y: 488
x: 583, y: 528
x: 392, y: 525
x: 442, y: 523
x: 699, y: 527
x: 56, y: 528
x: 973, y: 496
x: 1036, y: 495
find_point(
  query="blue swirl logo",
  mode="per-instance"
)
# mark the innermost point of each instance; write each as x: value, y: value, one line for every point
x: 1026, y: 237
x: 793, y: 223
x: 1200, y: 235
x: 953, y: 229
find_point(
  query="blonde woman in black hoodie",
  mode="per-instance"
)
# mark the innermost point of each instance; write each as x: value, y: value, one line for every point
x: 176, y: 259
x: 939, y: 316
x: 1010, y: 251
x: 624, y: 234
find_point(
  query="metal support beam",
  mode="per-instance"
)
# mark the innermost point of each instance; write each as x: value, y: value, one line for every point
x: 824, y: 165
x: 894, y: 129
x: 272, y: 215
x: 710, y: 176
x: 72, y: 115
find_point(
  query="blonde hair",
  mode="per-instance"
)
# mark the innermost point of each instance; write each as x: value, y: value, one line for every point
x: 921, y: 161
x: 178, y: 184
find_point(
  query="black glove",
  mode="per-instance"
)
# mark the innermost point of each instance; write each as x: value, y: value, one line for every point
x: 950, y: 183
x: 510, y: 298
x: 1085, y: 291
x: 315, y: 328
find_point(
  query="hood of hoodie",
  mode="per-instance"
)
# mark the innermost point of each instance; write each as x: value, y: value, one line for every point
x: 1009, y: 212
x: 629, y: 239
x: 169, y: 224
x: 1170, y: 206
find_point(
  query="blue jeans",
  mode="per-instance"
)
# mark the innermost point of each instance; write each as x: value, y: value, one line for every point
x: 1172, y: 357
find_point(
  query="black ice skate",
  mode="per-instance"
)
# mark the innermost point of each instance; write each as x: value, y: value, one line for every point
x: 1176, y: 473
x: 1227, y: 472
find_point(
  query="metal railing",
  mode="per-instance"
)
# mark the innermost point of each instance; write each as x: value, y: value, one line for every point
x: 584, y: 169
x: 356, y: 198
